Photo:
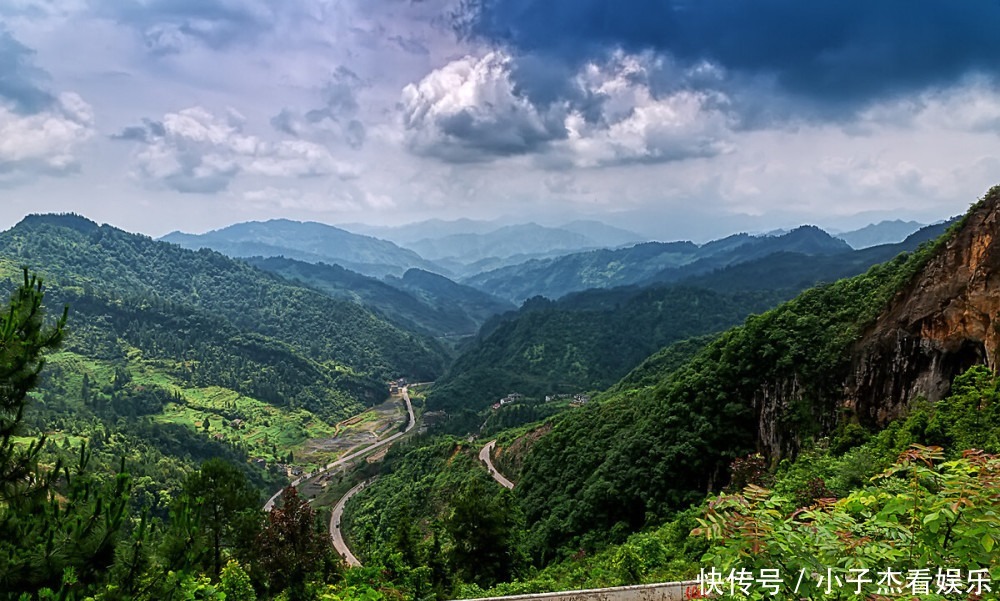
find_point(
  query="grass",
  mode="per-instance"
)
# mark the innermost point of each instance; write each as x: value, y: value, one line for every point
x: 264, y: 430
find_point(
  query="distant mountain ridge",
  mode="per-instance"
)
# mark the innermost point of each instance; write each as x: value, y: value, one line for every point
x: 466, y: 246
x: 883, y: 232
x: 589, y: 339
x: 645, y: 263
x: 504, y: 242
x: 306, y: 241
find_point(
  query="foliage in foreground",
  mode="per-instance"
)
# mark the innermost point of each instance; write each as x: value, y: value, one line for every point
x: 923, y: 513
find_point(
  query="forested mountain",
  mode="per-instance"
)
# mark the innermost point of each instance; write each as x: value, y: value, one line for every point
x: 584, y: 342
x: 306, y: 241
x: 419, y: 301
x: 441, y: 292
x: 797, y: 271
x: 211, y: 319
x: 588, y: 340
x: 640, y: 455
x: 645, y: 263
x: 659, y: 442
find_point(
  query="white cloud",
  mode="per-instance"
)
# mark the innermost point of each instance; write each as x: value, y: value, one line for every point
x: 195, y: 151
x: 468, y: 111
x: 47, y: 141
x: 471, y: 110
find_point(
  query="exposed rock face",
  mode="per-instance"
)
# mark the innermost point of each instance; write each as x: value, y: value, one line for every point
x: 944, y: 322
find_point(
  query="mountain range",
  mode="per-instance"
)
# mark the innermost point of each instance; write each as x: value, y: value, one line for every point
x: 645, y: 263
x: 306, y: 241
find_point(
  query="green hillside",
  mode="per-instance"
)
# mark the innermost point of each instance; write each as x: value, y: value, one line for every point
x: 621, y: 464
x: 584, y: 343
x: 419, y: 301
x: 178, y: 356
x: 342, y: 339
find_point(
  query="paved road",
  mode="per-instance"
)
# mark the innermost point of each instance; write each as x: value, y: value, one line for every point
x: 335, y: 532
x: 347, y: 458
x: 484, y: 456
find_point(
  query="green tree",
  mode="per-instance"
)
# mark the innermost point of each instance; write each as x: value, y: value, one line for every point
x: 217, y: 510
x: 59, y: 527
x: 483, y: 525
x: 235, y: 583
x: 24, y: 338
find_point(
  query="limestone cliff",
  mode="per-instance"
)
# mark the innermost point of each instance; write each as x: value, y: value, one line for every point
x: 943, y: 322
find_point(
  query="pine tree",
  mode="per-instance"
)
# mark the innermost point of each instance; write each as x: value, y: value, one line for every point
x: 24, y: 338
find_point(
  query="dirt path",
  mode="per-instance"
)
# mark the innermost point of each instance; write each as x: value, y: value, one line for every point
x: 352, y: 456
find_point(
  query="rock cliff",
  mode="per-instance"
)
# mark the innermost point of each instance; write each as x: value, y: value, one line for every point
x: 946, y: 320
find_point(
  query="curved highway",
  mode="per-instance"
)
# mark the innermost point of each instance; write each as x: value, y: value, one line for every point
x: 336, y: 534
x: 345, y: 459
x: 484, y: 456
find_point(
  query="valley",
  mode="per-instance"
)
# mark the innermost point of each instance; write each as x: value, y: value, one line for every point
x: 616, y: 404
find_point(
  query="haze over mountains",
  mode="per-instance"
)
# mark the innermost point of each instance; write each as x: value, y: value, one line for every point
x: 305, y: 241
x: 517, y: 261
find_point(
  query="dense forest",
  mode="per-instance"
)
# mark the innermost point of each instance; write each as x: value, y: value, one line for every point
x: 584, y: 342
x: 418, y: 301
x: 624, y: 463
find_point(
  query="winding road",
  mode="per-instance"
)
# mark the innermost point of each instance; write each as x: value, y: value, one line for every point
x: 347, y: 458
x: 484, y: 456
x: 336, y: 534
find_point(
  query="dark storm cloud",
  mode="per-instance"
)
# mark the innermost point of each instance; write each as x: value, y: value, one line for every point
x: 839, y: 53
x: 19, y: 78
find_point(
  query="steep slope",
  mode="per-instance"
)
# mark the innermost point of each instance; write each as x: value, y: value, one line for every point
x: 269, y: 338
x: 946, y: 321
x: 306, y: 241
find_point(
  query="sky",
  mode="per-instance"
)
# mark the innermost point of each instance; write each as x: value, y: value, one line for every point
x: 676, y: 118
